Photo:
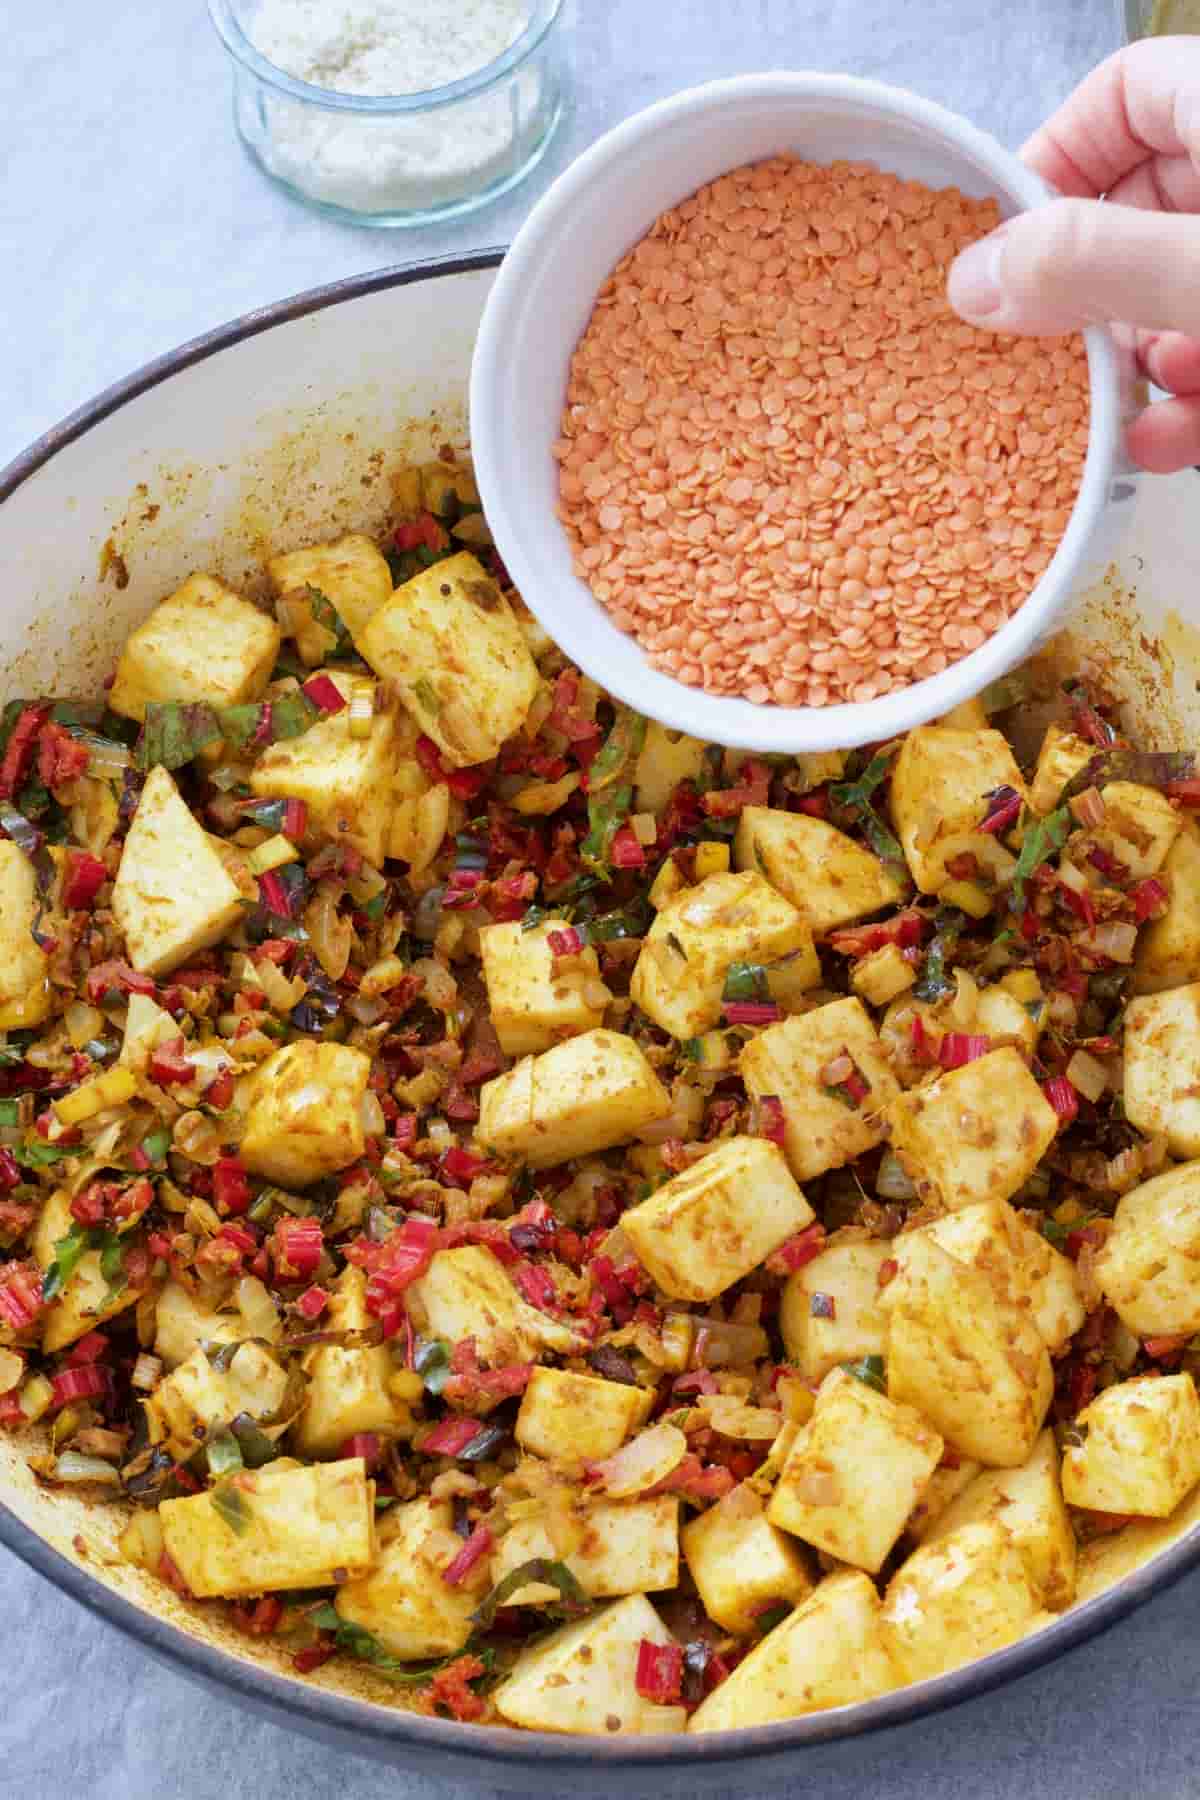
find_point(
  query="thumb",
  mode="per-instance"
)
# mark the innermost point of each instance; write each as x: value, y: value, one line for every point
x: 1082, y: 262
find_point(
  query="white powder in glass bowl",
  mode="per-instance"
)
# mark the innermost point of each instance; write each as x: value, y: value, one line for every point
x: 392, y: 47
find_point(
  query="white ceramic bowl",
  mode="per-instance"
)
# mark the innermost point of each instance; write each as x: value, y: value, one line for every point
x: 543, y: 298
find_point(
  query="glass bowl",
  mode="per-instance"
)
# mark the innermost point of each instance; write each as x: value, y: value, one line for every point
x: 404, y: 159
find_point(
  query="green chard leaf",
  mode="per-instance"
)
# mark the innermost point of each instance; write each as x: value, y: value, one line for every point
x: 37, y: 1155
x: 869, y: 1370
x: 362, y: 1644
x: 174, y: 733
x: 858, y: 793
x: 224, y: 1455
x: 540, y: 1570
x: 856, y: 797
x: 746, y: 981
x: 432, y: 1364
x: 67, y: 1252
x: 327, y: 615
x: 1149, y: 768
x: 1044, y: 838
x: 610, y: 786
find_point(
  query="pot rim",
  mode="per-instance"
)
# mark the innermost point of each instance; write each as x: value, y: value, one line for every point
x: 374, y: 1728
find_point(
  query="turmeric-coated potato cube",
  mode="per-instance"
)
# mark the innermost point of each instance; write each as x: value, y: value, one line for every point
x: 467, y: 1293
x: 829, y: 1652
x: 855, y: 1473
x: 592, y: 1092
x: 976, y: 1133
x: 305, y: 1112
x: 742, y: 1565
x: 1168, y: 949
x: 403, y: 1601
x: 623, y: 1547
x: 829, y: 1310
x: 537, y: 999
x: 583, y: 1677
x: 344, y: 781
x: 348, y: 1388
x: 1162, y: 1067
x: 449, y: 640
x: 202, y: 643
x: 940, y: 787
x: 1025, y: 1270
x: 971, y: 1363
x: 818, y: 868
x: 24, y: 985
x: 87, y: 1298
x: 174, y: 894
x: 351, y: 574
x: 1135, y: 1448
x: 665, y: 759
x: 882, y: 975
x: 181, y: 1322
x: 715, y: 1221
x: 569, y: 1418
x: 957, y: 1599
x: 1028, y: 1502
x: 1004, y: 1017
x: 196, y: 1399
x: 946, y: 1483
x: 1149, y: 1265
x: 1140, y: 826
x: 825, y: 1126
x: 679, y: 977
x: 266, y: 1529
x: 1063, y: 755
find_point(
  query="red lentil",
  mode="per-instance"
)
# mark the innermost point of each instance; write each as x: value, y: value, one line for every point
x: 786, y: 467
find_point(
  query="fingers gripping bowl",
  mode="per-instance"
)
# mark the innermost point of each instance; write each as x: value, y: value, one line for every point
x: 149, y: 502
x: 572, y: 241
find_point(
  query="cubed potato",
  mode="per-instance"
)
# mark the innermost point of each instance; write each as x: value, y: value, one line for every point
x: 1139, y: 1450
x: 945, y: 1485
x: 467, y: 1293
x: 625, y: 1547
x: 1025, y: 1270
x: 1168, y: 949
x: 846, y: 1274
x: 697, y: 1235
x: 855, y: 1473
x: 181, y: 1323
x: 535, y: 998
x: 679, y: 977
x: 1140, y: 826
x: 592, y: 1092
x: 304, y: 1112
x: 147, y: 1025
x: 940, y: 788
x: 968, y: 715
x: 882, y: 975
x: 202, y: 643
x: 1004, y: 1018
x: 348, y: 1388
x: 976, y: 1133
x: 665, y: 759
x: 582, y: 1678
x: 829, y: 1652
x: 344, y: 781
x: 86, y: 1299
x: 24, y: 983
x: 174, y: 894
x: 1062, y: 756
x: 742, y: 1565
x: 1149, y: 1265
x: 353, y: 576
x: 1113, y: 1555
x: 1028, y: 1503
x: 403, y: 1601
x: 296, y: 1528
x: 957, y: 1599
x: 420, y: 815
x: 450, y: 642
x: 196, y: 1399
x: 571, y: 1418
x: 974, y: 1365
x: 832, y: 879
x: 822, y: 1129
x: 1162, y: 1066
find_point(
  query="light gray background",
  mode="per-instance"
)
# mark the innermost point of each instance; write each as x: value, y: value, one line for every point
x: 129, y: 220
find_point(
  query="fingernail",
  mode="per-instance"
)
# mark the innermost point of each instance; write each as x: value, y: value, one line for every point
x: 973, y: 287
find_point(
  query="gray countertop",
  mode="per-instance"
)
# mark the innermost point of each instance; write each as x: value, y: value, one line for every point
x: 130, y: 220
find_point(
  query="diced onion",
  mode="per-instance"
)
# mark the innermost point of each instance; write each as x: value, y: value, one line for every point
x: 381, y: 976
x: 373, y: 1121
x: 1073, y: 878
x: 645, y: 827
x: 12, y: 1367
x: 146, y: 1371
x: 281, y: 990
x: 199, y: 1138
x: 643, y: 1462
x: 364, y: 1011
x: 362, y: 709
x: 331, y: 936
x: 83, y: 1023
x: 893, y: 1181
x: 720, y: 1345
x: 72, y: 1467
x: 441, y: 989
x: 1088, y: 1075
x: 258, y: 1310
x: 733, y: 1418
x: 1114, y: 940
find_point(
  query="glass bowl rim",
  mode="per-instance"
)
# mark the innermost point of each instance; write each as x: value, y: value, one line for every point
x: 544, y: 15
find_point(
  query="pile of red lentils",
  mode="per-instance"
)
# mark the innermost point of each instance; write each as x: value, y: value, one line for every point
x: 786, y: 467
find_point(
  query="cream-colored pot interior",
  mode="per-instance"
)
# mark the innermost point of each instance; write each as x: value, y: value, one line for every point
x: 289, y: 432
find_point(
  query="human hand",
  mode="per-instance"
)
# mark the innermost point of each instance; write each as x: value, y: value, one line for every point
x: 1130, y: 133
